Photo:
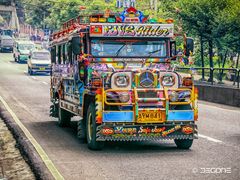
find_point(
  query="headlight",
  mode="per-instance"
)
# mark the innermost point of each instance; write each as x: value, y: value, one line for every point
x: 173, y: 96
x: 168, y: 80
x: 124, y: 97
x: 122, y: 80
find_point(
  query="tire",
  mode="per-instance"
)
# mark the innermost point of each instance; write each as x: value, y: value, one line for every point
x: 64, y: 117
x: 92, y: 129
x: 15, y: 58
x: 81, y: 131
x: 30, y: 71
x: 183, y: 143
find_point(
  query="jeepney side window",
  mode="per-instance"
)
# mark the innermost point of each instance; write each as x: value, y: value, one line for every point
x: 66, y: 53
x: 53, y: 54
x: 59, y: 54
x: 85, y: 45
x: 63, y: 54
x: 69, y: 52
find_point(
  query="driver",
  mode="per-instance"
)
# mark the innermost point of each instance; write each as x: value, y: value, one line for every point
x: 96, y: 48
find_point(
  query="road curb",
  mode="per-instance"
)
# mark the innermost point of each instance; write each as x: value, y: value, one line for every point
x: 26, y: 149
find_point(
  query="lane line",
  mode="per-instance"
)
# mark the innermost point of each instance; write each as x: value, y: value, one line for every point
x: 209, y: 138
x: 51, y: 167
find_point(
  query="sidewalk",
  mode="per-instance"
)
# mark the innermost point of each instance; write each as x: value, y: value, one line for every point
x: 12, y: 164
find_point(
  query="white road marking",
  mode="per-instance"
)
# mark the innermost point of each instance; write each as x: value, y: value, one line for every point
x: 209, y: 138
x: 44, y: 82
x: 33, y: 78
x: 53, y: 170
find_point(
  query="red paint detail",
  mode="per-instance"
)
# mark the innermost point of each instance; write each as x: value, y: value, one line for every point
x: 131, y: 10
x: 187, y: 130
x: 144, y: 20
x: 118, y: 20
x: 97, y: 29
x: 107, y: 131
x: 99, y: 91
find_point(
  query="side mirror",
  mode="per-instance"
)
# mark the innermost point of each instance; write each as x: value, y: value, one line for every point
x: 173, y: 51
x: 76, y: 45
x: 189, y: 46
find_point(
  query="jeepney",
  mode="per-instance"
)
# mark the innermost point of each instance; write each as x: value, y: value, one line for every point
x: 115, y: 73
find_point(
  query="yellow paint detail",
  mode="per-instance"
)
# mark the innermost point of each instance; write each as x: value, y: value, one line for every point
x: 98, y: 101
x: 51, y: 167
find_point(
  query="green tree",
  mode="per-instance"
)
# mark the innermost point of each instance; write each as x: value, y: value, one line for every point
x: 203, y: 18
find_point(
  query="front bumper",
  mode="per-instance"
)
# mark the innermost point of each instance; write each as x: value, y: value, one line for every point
x: 23, y: 58
x: 146, y: 132
x: 7, y: 48
x: 41, y: 69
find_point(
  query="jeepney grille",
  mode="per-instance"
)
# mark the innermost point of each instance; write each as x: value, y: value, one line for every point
x: 148, y: 94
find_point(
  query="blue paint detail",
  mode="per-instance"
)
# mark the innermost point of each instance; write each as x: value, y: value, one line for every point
x: 118, y: 116
x: 180, y: 116
x: 80, y: 90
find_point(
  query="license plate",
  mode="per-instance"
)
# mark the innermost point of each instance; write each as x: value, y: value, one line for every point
x: 150, y: 117
x: 42, y: 69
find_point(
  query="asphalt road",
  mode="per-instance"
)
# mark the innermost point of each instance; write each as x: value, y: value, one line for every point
x: 216, y: 152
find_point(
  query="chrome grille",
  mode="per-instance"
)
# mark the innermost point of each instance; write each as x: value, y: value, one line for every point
x: 148, y: 94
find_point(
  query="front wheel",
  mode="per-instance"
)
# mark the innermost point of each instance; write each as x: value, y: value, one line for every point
x: 92, y: 129
x: 30, y: 71
x: 81, y: 131
x: 64, y: 117
x: 183, y: 143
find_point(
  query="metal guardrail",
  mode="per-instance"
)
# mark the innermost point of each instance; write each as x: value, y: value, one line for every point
x: 234, y: 71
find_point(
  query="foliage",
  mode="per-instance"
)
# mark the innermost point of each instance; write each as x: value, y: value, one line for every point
x: 216, y: 22
x: 1, y: 20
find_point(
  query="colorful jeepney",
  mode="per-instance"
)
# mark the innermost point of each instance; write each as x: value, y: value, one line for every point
x: 115, y: 72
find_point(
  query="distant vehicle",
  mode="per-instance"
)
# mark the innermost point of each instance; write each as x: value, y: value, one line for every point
x: 6, y: 43
x: 22, y: 50
x: 45, y: 45
x: 39, y: 62
x: 6, y: 32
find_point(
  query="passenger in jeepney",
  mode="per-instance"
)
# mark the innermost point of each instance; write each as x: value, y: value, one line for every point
x: 96, y: 48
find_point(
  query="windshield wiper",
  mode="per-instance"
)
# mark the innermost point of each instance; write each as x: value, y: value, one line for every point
x: 118, y: 51
x: 151, y: 53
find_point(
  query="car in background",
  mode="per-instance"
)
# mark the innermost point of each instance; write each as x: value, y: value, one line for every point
x: 39, y: 62
x: 6, y: 43
x: 22, y: 50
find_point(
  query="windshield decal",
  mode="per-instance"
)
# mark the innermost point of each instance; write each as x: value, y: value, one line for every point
x: 131, y: 30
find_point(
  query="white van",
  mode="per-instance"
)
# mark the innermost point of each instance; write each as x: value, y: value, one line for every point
x: 39, y: 62
x: 6, y: 43
x: 22, y: 50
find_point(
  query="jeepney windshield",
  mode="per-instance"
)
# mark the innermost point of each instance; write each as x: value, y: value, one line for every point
x: 25, y: 46
x: 128, y: 48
